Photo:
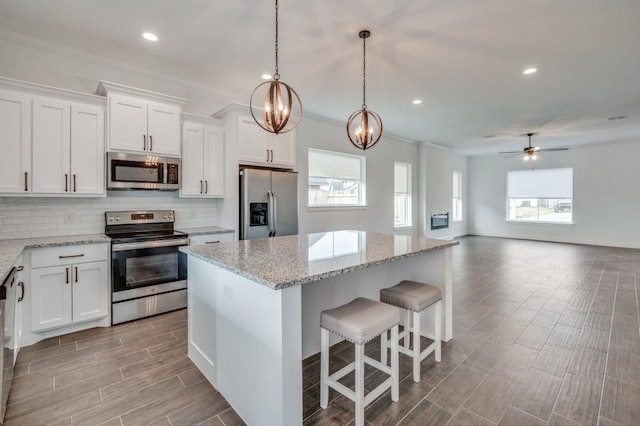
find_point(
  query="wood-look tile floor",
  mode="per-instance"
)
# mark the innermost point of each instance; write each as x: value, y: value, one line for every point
x: 544, y: 333
x: 136, y: 373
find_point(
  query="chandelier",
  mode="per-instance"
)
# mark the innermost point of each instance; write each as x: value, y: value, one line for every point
x: 274, y: 105
x: 364, y: 127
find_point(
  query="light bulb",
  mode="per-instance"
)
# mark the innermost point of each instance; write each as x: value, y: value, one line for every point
x: 526, y: 157
x: 534, y: 157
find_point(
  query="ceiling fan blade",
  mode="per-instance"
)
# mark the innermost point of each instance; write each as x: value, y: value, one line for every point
x: 513, y: 155
x: 554, y: 149
x: 510, y: 152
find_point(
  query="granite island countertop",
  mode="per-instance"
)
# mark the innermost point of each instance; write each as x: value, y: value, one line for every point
x: 205, y: 230
x: 10, y: 250
x: 282, y: 262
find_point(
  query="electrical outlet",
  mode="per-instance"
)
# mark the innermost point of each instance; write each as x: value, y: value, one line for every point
x: 68, y: 217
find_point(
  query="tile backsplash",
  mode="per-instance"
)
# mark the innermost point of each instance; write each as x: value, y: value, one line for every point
x: 50, y: 216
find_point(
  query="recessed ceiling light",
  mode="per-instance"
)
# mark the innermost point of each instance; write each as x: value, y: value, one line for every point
x: 417, y: 101
x: 530, y: 71
x: 266, y: 76
x: 150, y: 36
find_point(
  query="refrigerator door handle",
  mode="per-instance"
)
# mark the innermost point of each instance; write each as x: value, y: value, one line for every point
x: 274, y: 209
x: 270, y: 213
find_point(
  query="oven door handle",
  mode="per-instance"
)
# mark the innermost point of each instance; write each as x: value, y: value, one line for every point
x: 149, y: 244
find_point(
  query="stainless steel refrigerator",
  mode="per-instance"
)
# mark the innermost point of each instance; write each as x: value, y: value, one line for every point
x: 268, y: 203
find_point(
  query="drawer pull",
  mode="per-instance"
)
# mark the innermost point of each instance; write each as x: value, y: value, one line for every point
x: 71, y: 256
x: 212, y: 242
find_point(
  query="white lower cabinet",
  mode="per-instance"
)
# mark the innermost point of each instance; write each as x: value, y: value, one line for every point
x: 69, y: 285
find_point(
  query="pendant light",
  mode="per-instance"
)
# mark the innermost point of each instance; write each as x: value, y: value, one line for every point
x: 364, y: 127
x: 274, y: 105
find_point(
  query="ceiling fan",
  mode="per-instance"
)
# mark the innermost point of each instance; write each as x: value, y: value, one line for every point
x: 530, y: 152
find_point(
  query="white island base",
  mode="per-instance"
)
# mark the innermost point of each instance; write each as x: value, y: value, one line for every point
x: 249, y: 340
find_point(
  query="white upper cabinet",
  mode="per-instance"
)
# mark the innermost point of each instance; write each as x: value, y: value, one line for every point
x: 68, y: 147
x: 202, y: 157
x: 142, y: 121
x: 15, y: 142
x: 52, y: 141
x: 259, y: 147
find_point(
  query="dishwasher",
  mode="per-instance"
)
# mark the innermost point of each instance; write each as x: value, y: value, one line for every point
x: 7, y: 332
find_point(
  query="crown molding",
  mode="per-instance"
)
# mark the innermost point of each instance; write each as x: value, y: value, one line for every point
x: 201, y: 119
x: 42, y: 90
x: 106, y: 88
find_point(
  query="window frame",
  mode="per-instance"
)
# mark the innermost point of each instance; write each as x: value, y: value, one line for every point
x: 540, y: 201
x: 408, y: 204
x: 454, y: 217
x: 361, y: 187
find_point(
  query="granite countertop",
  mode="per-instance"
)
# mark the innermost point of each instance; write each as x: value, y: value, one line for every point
x: 205, y: 230
x: 283, y: 262
x: 10, y: 249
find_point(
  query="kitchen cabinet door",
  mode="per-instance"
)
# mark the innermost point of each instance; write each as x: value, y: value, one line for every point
x: 51, y: 146
x: 87, y: 150
x: 213, y: 162
x: 252, y: 142
x: 163, y: 129
x: 15, y: 143
x: 192, y: 160
x: 283, y: 149
x: 50, y: 297
x: 90, y: 291
x: 127, y: 124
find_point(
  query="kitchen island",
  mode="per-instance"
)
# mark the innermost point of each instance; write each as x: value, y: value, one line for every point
x: 254, y: 306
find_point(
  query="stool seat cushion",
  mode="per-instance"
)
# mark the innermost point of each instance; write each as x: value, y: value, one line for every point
x: 411, y: 295
x: 360, y: 320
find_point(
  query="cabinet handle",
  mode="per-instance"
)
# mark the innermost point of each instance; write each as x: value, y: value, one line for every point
x: 271, y: 155
x: 70, y: 256
x: 67, y: 272
x: 150, y: 143
x: 201, y: 187
x: 144, y: 141
x: 74, y: 183
x: 26, y: 181
x: 66, y: 182
x: 21, y: 285
x: 267, y: 155
x: 76, y: 274
x: 206, y: 187
x: 212, y: 242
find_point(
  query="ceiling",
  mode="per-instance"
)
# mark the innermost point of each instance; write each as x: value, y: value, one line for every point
x: 464, y: 59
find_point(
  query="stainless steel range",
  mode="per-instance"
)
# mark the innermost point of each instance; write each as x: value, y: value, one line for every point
x: 148, y: 272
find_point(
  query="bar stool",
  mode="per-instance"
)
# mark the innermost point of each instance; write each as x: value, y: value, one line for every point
x: 414, y: 297
x: 359, y: 322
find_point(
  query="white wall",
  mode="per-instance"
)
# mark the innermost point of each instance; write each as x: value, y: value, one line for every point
x: 377, y: 216
x: 605, y: 195
x: 436, y: 189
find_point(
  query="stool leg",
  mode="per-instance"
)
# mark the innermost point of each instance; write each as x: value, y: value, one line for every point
x: 438, y: 331
x: 407, y: 328
x: 395, y: 387
x: 416, y: 347
x: 324, y: 367
x: 360, y: 385
x: 383, y: 348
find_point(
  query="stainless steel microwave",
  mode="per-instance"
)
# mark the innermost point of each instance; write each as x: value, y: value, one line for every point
x: 133, y: 171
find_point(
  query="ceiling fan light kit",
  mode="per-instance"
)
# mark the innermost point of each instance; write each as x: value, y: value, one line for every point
x: 531, y: 152
x: 275, y: 106
x: 364, y: 127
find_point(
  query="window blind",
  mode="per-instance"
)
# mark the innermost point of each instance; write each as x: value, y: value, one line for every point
x: 544, y: 183
x: 325, y: 164
x: 401, y: 178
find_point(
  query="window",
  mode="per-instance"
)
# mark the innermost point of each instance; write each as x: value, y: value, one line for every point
x: 336, y: 179
x: 457, y: 197
x: 402, y: 194
x: 540, y: 195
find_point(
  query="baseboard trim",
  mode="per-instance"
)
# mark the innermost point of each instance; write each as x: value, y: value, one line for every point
x: 580, y: 241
